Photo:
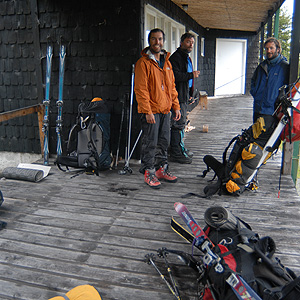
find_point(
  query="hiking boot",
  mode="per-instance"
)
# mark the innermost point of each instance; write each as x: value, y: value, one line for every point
x: 151, y: 180
x: 164, y: 173
x: 182, y: 159
x: 189, y: 153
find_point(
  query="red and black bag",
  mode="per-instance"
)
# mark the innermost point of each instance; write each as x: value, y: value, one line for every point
x: 250, y: 256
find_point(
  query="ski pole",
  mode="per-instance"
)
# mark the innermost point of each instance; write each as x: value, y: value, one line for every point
x: 162, y: 253
x: 119, y: 140
x: 133, y: 148
x: 130, y: 110
x: 127, y: 159
x: 150, y: 260
x: 127, y: 149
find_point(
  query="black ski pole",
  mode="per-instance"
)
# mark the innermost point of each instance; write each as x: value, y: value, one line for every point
x: 127, y: 149
x: 150, y: 261
x: 120, y: 133
x: 163, y: 253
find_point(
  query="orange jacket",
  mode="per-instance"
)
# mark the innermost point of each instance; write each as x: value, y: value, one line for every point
x: 155, y: 87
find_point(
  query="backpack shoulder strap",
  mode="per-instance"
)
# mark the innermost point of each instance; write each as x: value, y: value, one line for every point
x: 295, y: 284
x: 70, y: 136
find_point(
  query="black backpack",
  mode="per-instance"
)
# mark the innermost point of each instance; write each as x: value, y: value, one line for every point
x: 88, y: 146
x: 253, y: 257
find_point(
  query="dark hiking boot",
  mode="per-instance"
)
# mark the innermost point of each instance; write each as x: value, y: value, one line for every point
x: 182, y: 159
x: 151, y: 180
x: 164, y: 173
x: 189, y: 153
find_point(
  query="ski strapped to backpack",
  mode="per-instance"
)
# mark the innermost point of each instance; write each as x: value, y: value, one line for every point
x: 255, y: 146
x: 211, y: 260
x: 59, y: 102
x: 246, y: 254
x: 46, y: 103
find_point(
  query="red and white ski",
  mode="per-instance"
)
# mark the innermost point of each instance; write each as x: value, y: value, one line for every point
x: 239, y: 286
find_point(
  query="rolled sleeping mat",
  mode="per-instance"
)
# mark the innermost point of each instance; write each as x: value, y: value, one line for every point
x: 23, y: 174
x: 220, y: 217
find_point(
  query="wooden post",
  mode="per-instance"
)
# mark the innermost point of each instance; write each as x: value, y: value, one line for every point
x: 294, y: 63
x: 269, y: 24
x: 40, y: 113
x: 276, y: 23
x: 262, y: 35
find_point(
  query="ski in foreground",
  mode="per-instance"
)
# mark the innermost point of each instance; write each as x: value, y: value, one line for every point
x: 239, y: 286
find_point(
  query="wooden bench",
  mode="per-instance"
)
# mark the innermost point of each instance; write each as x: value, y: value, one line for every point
x: 20, y: 112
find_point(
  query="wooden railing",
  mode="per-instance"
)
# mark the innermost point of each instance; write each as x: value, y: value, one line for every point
x: 20, y: 112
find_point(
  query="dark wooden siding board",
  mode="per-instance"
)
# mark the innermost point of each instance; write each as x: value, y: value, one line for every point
x: 93, y: 53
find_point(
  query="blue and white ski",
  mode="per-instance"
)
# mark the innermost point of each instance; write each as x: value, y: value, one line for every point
x: 239, y: 286
x: 59, y: 102
x: 46, y: 103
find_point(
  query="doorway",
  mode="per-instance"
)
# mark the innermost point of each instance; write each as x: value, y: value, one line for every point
x: 230, y: 66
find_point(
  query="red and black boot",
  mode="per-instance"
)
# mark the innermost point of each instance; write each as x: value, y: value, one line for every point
x: 151, y: 180
x: 164, y: 173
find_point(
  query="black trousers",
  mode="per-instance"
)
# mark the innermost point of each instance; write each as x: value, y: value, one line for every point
x: 155, y: 142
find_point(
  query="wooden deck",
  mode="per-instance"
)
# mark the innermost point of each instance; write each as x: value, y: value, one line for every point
x: 63, y: 232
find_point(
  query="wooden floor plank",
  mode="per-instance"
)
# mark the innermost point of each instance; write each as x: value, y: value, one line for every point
x: 63, y: 231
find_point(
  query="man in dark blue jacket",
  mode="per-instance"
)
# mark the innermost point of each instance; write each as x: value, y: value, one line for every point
x: 269, y: 76
x: 184, y: 76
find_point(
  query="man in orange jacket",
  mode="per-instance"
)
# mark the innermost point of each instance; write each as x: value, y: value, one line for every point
x: 155, y: 94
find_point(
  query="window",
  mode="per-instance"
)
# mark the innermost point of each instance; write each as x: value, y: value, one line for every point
x: 172, y: 29
x: 202, y: 46
x: 193, y: 54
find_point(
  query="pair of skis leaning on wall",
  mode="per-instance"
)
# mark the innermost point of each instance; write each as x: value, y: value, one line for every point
x: 252, y: 148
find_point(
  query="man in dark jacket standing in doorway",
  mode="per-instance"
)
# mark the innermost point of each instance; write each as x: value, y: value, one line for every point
x: 184, y: 80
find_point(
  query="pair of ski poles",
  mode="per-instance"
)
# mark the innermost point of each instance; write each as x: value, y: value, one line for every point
x: 151, y: 261
x: 128, y: 153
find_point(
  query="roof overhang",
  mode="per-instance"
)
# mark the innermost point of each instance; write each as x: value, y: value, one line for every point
x: 242, y: 15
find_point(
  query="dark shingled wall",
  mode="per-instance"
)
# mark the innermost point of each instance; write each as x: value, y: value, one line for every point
x: 103, y: 39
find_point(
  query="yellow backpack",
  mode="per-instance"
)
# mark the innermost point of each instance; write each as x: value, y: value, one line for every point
x: 81, y: 292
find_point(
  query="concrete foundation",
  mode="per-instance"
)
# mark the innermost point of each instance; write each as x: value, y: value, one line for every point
x: 12, y: 159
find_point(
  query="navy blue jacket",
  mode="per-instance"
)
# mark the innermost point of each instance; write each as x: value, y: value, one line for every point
x: 265, y: 83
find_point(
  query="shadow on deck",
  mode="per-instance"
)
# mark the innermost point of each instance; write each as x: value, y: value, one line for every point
x: 64, y: 232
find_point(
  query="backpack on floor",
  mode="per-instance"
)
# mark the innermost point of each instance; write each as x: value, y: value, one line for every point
x: 81, y: 292
x: 88, y: 146
x: 244, y: 252
x: 250, y: 256
x: 255, y: 145
x: 243, y: 160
